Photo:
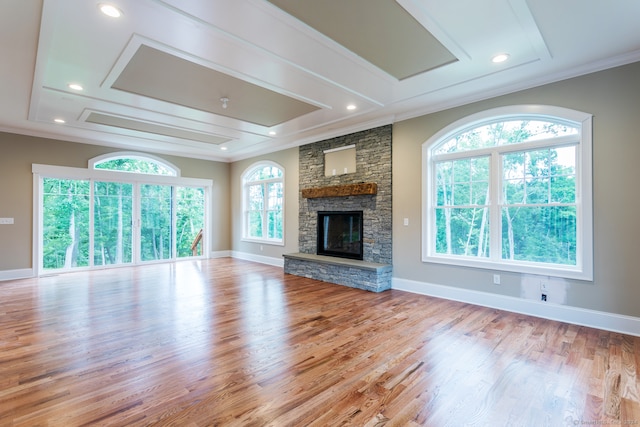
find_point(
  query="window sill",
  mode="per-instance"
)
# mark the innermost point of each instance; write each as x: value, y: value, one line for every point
x: 552, y: 270
x: 263, y: 241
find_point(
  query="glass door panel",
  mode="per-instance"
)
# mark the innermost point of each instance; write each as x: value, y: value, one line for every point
x: 112, y: 223
x: 65, y: 223
x: 189, y: 221
x: 155, y: 222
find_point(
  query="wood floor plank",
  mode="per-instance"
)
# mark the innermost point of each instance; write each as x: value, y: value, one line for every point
x: 233, y: 343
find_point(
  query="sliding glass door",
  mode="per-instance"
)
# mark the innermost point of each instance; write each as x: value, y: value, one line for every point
x: 189, y: 221
x: 172, y: 222
x: 65, y: 223
x: 156, y: 213
x: 89, y: 223
x: 112, y: 223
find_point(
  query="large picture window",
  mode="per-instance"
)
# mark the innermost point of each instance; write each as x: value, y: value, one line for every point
x: 263, y: 200
x: 510, y: 189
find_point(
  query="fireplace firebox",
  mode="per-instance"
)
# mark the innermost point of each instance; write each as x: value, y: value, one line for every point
x: 340, y: 234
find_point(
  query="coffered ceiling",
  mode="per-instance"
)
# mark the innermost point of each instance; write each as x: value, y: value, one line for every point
x: 229, y: 79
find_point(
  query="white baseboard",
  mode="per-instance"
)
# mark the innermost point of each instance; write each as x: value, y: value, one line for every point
x: 23, y: 273
x: 276, y: 262
x: 220, y: 254
x: 578, y: 316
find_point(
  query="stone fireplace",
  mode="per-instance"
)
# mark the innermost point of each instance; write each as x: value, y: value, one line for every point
x: 366, y: 190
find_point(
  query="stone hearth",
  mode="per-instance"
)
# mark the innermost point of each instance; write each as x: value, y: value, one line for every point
x: 369, y: 276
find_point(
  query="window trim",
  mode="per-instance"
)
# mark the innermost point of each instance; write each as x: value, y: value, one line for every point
x: 134, y: 155
x: 583, y: 270
x: 249, y: 170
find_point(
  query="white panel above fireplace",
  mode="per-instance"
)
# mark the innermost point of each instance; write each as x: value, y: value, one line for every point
x: 340, y: 161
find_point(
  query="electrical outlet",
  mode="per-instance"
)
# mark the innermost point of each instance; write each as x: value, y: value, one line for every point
x: 6, y: 220
x: 496, y: 279
x: 544, y: 285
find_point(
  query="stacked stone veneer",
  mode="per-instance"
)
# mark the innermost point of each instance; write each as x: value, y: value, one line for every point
x: 373, y: 164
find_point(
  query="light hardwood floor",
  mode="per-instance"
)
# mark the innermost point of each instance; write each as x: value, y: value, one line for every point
x: 229, y: 342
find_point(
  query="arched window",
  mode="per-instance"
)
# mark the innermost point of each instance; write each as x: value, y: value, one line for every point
x: 263, y: 203
x: 135, y: 163
x: 510, y: 189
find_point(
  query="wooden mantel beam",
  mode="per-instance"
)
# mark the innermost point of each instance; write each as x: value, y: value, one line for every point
x: 360, y: 189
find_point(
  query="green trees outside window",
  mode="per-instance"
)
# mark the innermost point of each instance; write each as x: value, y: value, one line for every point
x: 189, y: 220
x: 539, y: 206
x: 65, y: 223
x: 113, y: 223
x: 156, y: 230
x: 155, y: 225
x: 135, y: 164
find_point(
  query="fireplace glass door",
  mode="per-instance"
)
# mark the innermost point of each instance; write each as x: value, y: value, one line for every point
x: 340, y: 234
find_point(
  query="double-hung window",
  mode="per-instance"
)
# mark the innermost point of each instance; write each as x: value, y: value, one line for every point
x: 263, y: 203
x: 510, y: 189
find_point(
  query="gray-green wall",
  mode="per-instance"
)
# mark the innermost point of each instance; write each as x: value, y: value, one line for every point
x: 288, y: 159
x: 16, y: 190
x: 613, y: 97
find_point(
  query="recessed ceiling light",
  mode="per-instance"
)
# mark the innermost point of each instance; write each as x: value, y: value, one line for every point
x: 75, y: 86
x: 272, y: 132
x: 110, y: 10
x: 351, y: 107
x: 59, y: 121
x: 501, y: 57
x: 223, y: 148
